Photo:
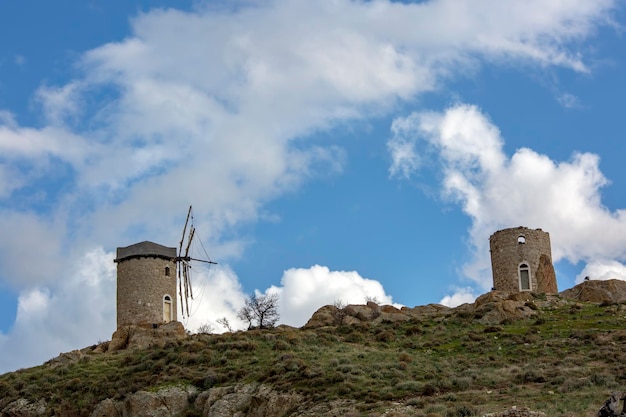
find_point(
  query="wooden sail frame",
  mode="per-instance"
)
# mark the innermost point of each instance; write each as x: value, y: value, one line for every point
x: 183, y: 263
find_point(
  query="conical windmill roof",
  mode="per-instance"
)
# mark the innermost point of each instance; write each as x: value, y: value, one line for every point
x: 145, y: 249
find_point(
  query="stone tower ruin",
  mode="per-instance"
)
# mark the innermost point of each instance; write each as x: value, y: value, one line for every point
x: 521, y: 260
x: 146, y: 284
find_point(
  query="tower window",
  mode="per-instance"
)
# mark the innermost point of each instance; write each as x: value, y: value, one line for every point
x: 167, y: 271
x: 524, y: 277
x: 521, y: 239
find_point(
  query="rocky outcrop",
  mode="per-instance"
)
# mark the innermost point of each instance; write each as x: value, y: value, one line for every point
x: 546, y: 277
x: 371, y: 312
x: 497, y: 307
x: 598, y: 291
x: 516, y: 412
x: 143, y: 336
x: 67, y: 358
x: 25, y: 408
x: 166, y: 402
x: 250, y: 400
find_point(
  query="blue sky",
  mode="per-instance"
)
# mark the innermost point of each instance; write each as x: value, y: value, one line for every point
x: 333, y: 150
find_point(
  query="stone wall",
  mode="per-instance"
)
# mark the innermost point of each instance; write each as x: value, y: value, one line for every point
x: 141, y: 285
x: 511, y: 247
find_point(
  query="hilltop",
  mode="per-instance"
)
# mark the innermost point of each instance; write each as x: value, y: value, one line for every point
x: 560, y: 355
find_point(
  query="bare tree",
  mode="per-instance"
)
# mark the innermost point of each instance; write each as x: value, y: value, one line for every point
x: 224, y: 322
x: 260, y: 311
x: 371, y: 299
x: 206, y: 328
x: 339, y: 314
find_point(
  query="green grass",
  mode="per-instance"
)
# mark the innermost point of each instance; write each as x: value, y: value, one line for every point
x: 563, y: 362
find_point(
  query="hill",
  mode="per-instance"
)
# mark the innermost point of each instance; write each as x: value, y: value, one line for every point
x: 560, y: 355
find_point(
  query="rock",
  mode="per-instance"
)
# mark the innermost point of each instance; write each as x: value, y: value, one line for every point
x: 324, y: 316
x: 66, y: 358
x: 101, y: 348
x: 144, y: 335
x: 107, y: 408
x: 250, y: 400
x: 516, y: 412
x: 372, y: 313
x: 332, y: 408
x: 24, y: 408
x: 363, y: 312
x: 546, y: 278
x: 611, y: 407
x: 166, y: 402
x: 429, y: 310
x: 497, y: 307
x: 598, y: 291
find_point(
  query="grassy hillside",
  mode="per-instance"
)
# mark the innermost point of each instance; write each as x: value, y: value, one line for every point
x: 564, y: 361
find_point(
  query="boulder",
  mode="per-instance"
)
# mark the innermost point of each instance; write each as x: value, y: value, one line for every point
x: 24, y: 408
x: 145, y: 335
x: 598, y: 291
x: 427, y: 311
x: 107, y: 408
x: 324, y: 316
x: 497, y: 307
x: 516, y: 412
x: 166, y: 402
x: 66, y: 358
x: 251, y: 400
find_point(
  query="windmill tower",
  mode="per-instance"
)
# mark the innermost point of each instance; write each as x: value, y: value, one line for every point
x: 521, y: 260
x: 147, y: 278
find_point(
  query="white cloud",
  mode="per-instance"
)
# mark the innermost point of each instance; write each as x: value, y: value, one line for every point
x: 602, y: 269
x: 217, y: 294
x: 569, y: 101
x: 32, y: 252
x: 74, y: 312
x: 303, y: 291
x: 60, y: 103
x: 460, y: 296
x: 528, y: 188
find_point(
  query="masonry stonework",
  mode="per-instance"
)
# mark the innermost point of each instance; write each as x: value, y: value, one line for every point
x: 146, y: 284
x: 521, y: 260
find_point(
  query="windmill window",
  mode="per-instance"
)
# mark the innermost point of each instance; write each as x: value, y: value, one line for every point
x: 521, y: 239
x: 524, y: 277
x: 167, y: 271
x: 167, y: 309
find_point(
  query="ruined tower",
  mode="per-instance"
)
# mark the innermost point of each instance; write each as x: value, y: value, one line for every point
x: 146, y: 284
x: 521, y: 260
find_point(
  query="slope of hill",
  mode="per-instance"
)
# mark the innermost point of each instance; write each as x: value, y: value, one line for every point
x: 560, y: 355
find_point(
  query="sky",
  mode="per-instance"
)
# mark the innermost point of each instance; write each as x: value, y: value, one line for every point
x: 337, y: 150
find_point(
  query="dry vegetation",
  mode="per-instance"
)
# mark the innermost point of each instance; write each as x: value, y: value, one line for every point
x: 563, y: 362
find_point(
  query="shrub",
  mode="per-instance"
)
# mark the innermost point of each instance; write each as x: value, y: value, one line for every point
x: 464, y: 410
x: 386, y: 337
x: 354, y: 337
x: 413, y: 331
x: 410, y: 386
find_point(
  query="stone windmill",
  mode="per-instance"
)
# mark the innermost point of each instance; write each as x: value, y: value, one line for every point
x: 521, y: 260
x: 148, y: 275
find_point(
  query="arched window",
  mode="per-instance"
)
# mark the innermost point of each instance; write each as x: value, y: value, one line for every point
x: 167, y: 271
x: 524, y: 277
x: 167, y: 309
x: 521, y: 239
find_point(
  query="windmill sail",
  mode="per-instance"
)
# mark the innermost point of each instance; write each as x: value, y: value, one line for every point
x: 184, y: 265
